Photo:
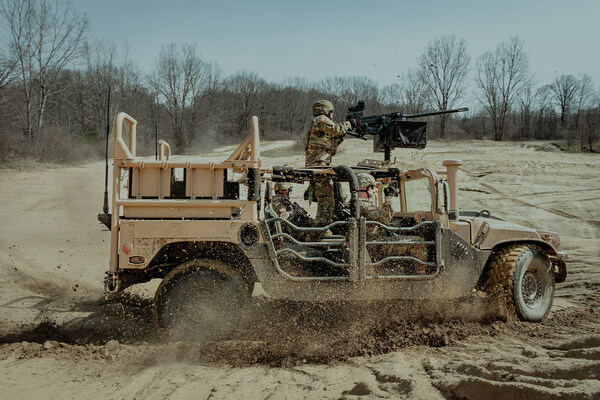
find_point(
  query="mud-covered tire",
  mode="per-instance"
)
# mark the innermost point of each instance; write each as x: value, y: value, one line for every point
x: 522, y: 277
x: 200, y: 300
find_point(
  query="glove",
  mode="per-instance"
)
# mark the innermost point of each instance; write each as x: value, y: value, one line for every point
x: 353, y: 122
x: 391, y: 189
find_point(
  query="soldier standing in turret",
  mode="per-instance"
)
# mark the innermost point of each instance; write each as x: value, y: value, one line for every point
x: 320, y: 145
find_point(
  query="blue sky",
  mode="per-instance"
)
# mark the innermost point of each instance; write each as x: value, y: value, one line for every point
x: 379, y: 39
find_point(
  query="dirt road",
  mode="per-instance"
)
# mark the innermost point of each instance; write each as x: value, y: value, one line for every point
x: 60, y: 337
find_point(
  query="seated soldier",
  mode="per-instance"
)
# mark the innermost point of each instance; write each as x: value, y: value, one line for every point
x: 368, y: 208
x: 285, y: 208
x: 371, y: 212
x: 281, y: 203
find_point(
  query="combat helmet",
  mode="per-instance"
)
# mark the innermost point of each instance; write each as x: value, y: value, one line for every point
x: 322, y: 107
x: 365, y: 180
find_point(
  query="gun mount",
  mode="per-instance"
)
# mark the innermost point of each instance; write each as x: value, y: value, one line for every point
x: 392, y: 130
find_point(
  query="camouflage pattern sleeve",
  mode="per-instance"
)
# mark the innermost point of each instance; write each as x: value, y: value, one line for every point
x: 321, y: 142
x: 372, y: 213
x: 326, y: 125
x: 281, y: 207
x: 388, y: 210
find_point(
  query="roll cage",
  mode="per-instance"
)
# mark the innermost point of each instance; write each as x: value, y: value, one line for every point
x: 408, y: 248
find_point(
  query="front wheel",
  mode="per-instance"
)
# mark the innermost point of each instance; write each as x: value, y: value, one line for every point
x: 523, y: 277
x: 200, y: 300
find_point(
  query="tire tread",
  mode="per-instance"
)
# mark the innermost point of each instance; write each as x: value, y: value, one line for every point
x: 500, y: 282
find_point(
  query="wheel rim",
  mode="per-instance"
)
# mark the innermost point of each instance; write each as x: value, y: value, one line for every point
x: 532, y: 288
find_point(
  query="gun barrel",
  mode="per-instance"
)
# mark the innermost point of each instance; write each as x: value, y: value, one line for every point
x: 428, y: 114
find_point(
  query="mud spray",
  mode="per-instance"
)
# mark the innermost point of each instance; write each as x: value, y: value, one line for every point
x: 274, y: 332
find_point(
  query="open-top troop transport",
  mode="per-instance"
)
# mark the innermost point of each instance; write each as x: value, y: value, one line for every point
x: 208, y: 230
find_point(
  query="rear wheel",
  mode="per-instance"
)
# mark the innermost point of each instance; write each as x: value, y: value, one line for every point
x: 522, y: 277
x: 200, y: 300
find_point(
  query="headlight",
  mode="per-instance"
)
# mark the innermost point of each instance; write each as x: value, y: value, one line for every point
x: 552, y: 238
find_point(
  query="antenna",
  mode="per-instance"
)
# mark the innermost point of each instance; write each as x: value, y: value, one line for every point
x: 105, y: 209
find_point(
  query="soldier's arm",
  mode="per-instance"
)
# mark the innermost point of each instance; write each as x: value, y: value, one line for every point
x: 372, y: 213
x: 388, y: 210
x: 384, y: 214
x: 333, y: 129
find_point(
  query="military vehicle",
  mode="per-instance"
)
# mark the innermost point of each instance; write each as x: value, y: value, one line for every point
x: 207, y: 230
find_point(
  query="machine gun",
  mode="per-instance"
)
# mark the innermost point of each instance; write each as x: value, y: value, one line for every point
x: 391, y: 130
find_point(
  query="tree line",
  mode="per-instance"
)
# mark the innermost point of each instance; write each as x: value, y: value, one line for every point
x: 54, y: 96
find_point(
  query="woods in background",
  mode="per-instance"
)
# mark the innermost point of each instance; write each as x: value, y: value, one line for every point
x: 54, y: 83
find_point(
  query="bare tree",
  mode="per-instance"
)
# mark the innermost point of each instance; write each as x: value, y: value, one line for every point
x: 592, y: 117
x: 101, y: 73
x: 107, y: 66
x: 357, y: 88
x: 526, y: 100
x: 565, y: 89
x: 345, y: 91
x: 45, y: 37
x: 444, y: 66
x: 543, y: 99
x: 180, y: 78
x: 407, y: 96
x: 585, y: 97
x: 293, y: 102
x: 391, y: 95
x: 334, y: 86
x: 501, y: 75
x: 415, y: 92
x: 246, y: 87
x: 7, y: 69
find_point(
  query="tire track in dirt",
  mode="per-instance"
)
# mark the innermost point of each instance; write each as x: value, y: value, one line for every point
x: 555, y: 211
x: 527, y: 361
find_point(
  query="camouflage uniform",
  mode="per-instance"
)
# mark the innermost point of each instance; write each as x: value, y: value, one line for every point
x: 280, y: 203
x: 281, y: 207
x: 369, y: 210
x: 320, y: 145
x: 323, y: 139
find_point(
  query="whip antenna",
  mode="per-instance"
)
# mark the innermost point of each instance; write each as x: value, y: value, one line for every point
x: 105, y: 209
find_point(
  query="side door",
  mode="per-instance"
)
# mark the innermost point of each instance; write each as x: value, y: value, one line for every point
x: 409, y: 247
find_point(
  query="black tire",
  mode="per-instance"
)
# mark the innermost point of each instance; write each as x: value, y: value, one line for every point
x: 200, y: 300
x: 522, y: 277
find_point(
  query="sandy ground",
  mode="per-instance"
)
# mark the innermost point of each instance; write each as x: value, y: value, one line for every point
x: 61, y: 337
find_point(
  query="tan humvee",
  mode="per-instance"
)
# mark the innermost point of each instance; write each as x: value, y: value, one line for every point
x: 207, y: 229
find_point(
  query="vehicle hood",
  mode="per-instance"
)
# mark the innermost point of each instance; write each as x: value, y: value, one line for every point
x: 487, y: 232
